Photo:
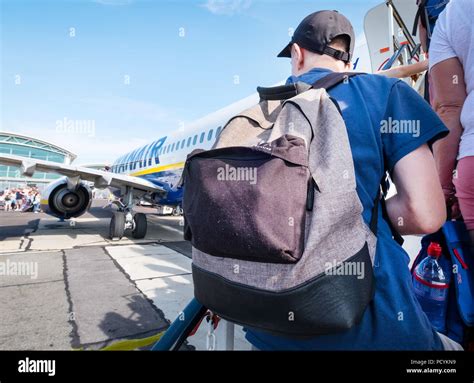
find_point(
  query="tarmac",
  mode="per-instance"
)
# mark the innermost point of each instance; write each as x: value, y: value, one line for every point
x: 66, y: 286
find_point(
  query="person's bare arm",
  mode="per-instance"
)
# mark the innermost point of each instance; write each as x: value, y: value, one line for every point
x: 448, y: 93
x: 405, y: 70
x: 418, y: 207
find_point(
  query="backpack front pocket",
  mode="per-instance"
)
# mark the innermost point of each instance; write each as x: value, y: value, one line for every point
x: 248, y: 203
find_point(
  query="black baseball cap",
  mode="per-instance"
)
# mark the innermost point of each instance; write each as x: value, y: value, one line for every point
x: 316, y: 32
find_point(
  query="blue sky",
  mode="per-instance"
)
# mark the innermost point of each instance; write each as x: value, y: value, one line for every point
x: 134, y: 70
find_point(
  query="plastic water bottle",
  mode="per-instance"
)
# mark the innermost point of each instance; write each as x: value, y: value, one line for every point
x: 431, y: 286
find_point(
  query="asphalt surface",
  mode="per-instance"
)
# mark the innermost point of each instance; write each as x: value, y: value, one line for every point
x: 75, y: 294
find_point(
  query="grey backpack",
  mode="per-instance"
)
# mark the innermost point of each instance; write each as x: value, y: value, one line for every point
x: 273, y: 215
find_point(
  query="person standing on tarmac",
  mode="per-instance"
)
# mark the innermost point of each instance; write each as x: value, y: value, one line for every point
x: 324, y: 43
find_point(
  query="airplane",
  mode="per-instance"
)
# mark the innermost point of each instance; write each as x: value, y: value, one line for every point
x: 151, y: 173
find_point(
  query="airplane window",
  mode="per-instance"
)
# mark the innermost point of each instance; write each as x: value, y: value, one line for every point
x: 189, y: 141
x: 218, y: 131
x: 183, y: 143
x: 201, y: 139
x: 195, y: 139
x: 149, y: 161
x: 172, y: 147
x: 209, y: 135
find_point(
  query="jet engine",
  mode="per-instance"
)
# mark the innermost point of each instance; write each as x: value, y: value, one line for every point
x: 65, y: 199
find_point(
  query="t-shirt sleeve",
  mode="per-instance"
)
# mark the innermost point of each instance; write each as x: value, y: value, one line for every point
x: 441, y: 47
x: 409, y: 122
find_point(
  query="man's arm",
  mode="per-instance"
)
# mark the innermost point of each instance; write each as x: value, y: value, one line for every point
x: 405, y: 70
x: 448, y: 96
x: 418, y: 207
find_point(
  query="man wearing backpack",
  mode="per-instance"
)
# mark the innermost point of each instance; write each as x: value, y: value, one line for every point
x: 323, y: 43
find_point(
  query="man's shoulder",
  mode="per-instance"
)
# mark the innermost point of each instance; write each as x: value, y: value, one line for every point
x: 377, y: 79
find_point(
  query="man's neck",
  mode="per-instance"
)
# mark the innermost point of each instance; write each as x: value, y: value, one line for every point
x: 324, y: 64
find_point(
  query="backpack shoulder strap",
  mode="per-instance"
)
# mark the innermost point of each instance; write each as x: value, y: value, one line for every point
x: 384, y: 183
x: 379, y: 203
x: 285, y: 92
x: 331, y: 80
x: 282, y: 92
x: 328, y: 82
x: 419, y: 16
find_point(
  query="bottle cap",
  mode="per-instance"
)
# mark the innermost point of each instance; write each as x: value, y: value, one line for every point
x: 434, y: 249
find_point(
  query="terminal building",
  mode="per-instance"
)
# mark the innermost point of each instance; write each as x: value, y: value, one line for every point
x: 29, y: 147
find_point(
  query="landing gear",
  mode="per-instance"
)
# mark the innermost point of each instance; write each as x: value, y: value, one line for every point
x: 124, y: 219
x: 117, y: 225
x: 140, y: 226
x: 177, y: 211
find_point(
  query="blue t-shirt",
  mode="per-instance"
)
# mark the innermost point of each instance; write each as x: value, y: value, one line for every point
x: 372, y: 106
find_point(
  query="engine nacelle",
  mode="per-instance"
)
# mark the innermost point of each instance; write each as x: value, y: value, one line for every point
x: 64, y: 202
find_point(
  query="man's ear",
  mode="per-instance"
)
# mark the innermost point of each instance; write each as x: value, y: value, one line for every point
x: 297, y: 57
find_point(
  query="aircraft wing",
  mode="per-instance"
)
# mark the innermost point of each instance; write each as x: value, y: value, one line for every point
x: 100, y: 178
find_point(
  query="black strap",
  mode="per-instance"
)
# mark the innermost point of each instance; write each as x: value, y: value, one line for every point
x: 332, y: 79
x: 285, y: 92
x: 420, y: 14
x: 381, y: 197
x: 395, y: 234
x: 375, y: 213
x: 282, y: 92
x: 337, y: 54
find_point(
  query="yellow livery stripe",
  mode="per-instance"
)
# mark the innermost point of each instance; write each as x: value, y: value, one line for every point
x: 158, y: 169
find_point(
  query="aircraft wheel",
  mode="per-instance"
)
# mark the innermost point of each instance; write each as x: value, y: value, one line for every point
x: 140, y: 226
x: 117, y: 225
x: 177, y: 211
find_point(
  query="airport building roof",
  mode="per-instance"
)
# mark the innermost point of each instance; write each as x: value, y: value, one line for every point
x: 34, y: 143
